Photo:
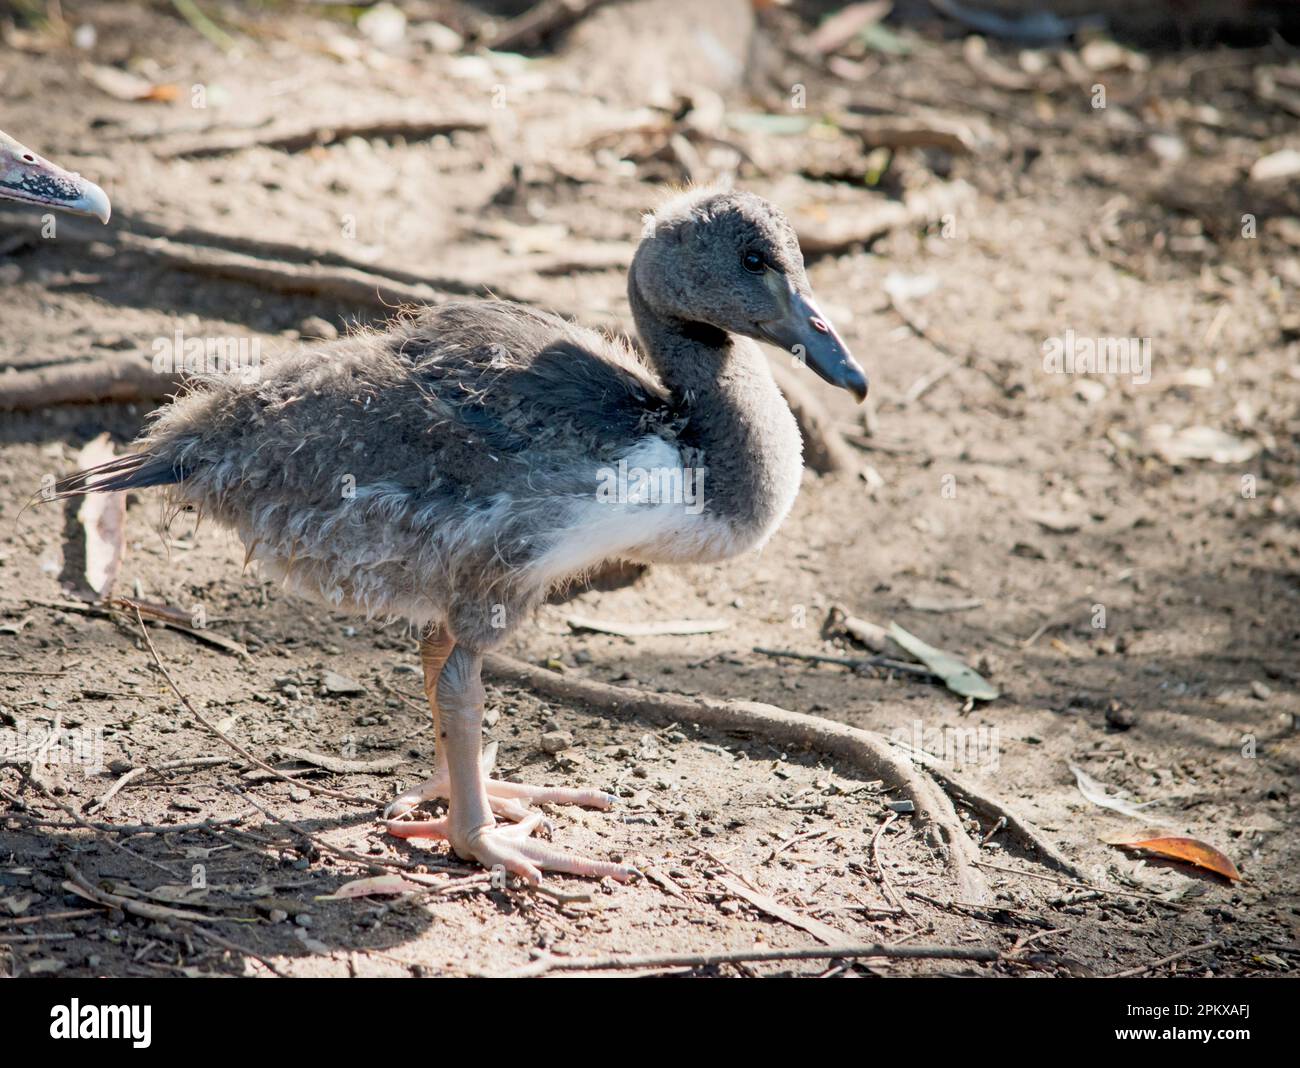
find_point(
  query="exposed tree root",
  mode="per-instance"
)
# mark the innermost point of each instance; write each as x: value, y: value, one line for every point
x: 1023, y: 831
x: 277, y: 266
x: 130, y: 233
x: 121, y: 379
x: 346, y: 284
x: 869, y: 752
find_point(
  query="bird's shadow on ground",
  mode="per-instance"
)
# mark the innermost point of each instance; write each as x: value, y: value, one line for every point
x: 260, y: 889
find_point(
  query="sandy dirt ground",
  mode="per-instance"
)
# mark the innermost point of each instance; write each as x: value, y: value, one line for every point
x: 1137, y: 608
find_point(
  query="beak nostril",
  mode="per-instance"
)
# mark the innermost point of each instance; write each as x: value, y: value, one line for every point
x: 820, y: 325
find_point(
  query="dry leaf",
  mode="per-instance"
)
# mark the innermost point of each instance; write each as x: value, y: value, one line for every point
x: 1177, y: 847
x: 846, y: 24
x: 1096, y: 793
x: 823, y: 932
x: 380, y: 884
x: 864, y: 632
x: 103, y: 518
x: 17, y: 904
x: 1199, y: 443
x: 959, y: 678
x: 1058, y: 522
x: 339, y: 765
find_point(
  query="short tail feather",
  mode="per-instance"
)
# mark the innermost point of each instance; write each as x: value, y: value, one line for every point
x: 138, y: 470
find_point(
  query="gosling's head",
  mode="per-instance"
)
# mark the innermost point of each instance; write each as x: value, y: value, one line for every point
x: 732, y: 260
x: 31, y: 179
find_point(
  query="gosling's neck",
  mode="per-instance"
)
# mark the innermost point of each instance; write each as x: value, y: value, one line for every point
x: 740, y: 425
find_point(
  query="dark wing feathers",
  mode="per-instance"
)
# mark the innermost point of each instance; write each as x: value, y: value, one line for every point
x: 441, y: 397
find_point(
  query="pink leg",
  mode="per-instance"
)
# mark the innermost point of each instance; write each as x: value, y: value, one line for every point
x: 508, y: 800
x: 469, y: 825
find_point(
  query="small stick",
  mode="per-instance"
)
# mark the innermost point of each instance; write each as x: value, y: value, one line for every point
x: 53, y: 936
x: 135, y: 773
x: 393, y: 691
x: 194, y: 15
x: 368, y: 802
x: 1051, y: 623
x: 851, y: 662
x: 1022, y: 941
x: 885, y: 883
x: 952, y: 359
x: 145, y: 909
x: 129, y: 830
x: 1025, y: 832
x: 1166, y: 960
x: 172, y: 620
x: 1002, y: 822
x: 1154, y: 898
x: 299, y: 138
x: 87, y: 825
x: 706, y: 960
x: 71, y: 914
x: 235, y: 947
x: 928, y: 381
x: 560, y: 897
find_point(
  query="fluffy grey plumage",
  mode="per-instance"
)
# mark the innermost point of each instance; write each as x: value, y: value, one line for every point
x: 449, y: 469
x: 452, y: 469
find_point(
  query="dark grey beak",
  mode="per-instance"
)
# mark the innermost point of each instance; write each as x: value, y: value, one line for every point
x: 31, y: 179
x: 804, y: 332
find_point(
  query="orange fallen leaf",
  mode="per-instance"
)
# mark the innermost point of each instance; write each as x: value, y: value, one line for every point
x: 162, y: 94
x: 1177, y: 847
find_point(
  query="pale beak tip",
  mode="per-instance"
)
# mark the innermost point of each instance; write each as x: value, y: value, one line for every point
x: 94, y: 201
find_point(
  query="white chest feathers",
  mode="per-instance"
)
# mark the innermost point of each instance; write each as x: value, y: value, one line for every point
x: 650, y: 507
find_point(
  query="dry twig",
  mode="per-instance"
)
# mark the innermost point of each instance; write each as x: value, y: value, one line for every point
x: 708, y: 960
x: 353, y: 799
x: 1166, y: 960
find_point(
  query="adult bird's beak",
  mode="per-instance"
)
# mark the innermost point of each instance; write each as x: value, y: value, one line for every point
x: 30, y: 179
x: 806, y: 333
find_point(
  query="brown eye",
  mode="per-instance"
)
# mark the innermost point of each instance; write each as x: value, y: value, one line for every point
x: 753, y: 263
